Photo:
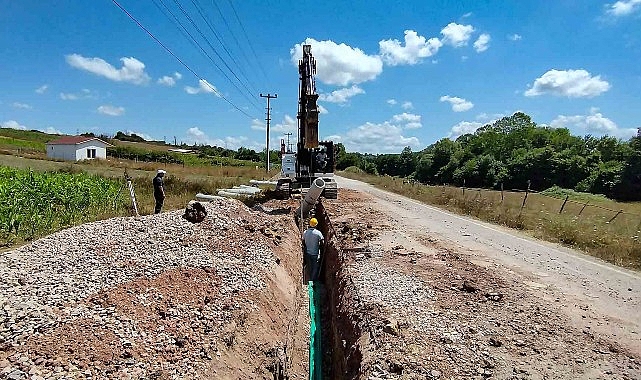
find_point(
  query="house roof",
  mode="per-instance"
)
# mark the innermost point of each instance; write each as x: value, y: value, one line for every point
x: 74, y: 140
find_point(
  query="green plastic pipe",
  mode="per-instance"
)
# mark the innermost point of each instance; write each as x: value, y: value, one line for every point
x: 315, y: 353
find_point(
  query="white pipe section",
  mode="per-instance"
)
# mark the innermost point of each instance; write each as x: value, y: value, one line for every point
x: 227, y: 194
x: 311, y: 197
x: 207, y: 198
x: 239, y: 190
x: 258, y: 182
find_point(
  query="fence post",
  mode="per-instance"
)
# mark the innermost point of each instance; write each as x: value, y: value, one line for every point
x: 564, y: 202
x: 527, y: 191
x: 614, y: 217
x: 501, y: 192
x: 583, y: 208
x: 463, y: 188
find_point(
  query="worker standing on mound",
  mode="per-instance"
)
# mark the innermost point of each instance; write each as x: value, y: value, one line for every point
x: 313, y: 241
x: 159, y: 190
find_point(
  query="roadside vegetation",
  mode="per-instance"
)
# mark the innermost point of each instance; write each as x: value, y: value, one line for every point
x: 516, y: 153
x: 585, y: 223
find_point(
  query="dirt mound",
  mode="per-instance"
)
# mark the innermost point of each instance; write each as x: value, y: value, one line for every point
x: 156, y: 297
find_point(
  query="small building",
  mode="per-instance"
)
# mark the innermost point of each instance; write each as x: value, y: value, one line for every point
x: 76, y: 148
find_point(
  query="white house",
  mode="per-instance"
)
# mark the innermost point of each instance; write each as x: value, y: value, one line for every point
x: 76, y: 148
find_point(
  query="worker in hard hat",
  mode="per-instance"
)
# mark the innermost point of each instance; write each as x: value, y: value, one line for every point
x: 159, y: 190
x: 313, y: 241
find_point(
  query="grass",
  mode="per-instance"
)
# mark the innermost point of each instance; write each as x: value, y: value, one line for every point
x: 583, y: 226
x: 181, y: 185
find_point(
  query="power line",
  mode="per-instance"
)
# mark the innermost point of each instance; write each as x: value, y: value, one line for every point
x: 195, y: 42
x: 247, y: 38
x: 191, y: 21
x: 179, y: 60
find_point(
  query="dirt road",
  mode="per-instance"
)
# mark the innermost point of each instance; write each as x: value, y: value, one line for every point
x: 594, y: 297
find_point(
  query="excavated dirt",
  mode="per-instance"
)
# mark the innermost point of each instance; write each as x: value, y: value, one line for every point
x: 428, y: 312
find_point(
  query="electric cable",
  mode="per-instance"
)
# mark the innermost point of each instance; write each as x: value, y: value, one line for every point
x: 180, y: 60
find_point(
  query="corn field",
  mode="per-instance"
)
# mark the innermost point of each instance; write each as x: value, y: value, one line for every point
x: 34, y: 204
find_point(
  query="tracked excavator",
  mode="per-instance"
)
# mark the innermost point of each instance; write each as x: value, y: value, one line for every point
x: 312, y: 159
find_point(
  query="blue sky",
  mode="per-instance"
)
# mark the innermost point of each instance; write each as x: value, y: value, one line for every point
x: 390, y: 74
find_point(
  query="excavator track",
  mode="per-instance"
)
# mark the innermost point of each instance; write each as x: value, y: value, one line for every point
x: 331, y: 190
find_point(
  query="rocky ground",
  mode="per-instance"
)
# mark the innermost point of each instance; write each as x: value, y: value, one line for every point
x: 156, y: 297
x: 431, y: 313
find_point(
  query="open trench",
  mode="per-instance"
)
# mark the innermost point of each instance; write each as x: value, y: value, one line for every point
x: 344, y: 336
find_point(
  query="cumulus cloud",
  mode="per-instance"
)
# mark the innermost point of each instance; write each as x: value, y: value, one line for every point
x: 464, y: 127
x: 196, y: 135
x: 407, y: 120
x: 482, y: 43
x: 21, y: 106
x: 342, y: 95
x: 456, y: 35
x: 514, y: 37
x: 42, y: 89
x: 13, y: 125
x: 322, y: 109
x: 416, y: 47
x: 377, y: 138
x: 391, y: 102
x: 594, y: 123
x: 340, y: 64
x: 458, y: 104
x: 289, y: 124
x: 570, y: 83
x: 111, y: 110
x: 168, y: 80
x: 407, y: 105
x: 623, y: 7
x: 204, y: 87
x: 258, y: 125
x: 132, y: 70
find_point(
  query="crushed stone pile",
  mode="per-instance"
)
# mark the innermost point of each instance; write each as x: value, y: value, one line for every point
x: 148, y: 297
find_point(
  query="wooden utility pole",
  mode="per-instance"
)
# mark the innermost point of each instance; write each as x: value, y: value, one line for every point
x: 268, y: 119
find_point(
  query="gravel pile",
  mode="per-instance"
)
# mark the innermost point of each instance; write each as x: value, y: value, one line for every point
x: 65, y: 280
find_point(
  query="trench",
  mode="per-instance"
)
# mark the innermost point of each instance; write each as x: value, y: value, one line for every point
x: 343, y: 338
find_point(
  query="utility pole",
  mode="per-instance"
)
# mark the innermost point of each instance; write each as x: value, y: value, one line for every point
x: 288, y: 134
x: 269, y: 97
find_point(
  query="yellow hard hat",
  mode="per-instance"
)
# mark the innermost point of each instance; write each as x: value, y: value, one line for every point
x: 313, y: 222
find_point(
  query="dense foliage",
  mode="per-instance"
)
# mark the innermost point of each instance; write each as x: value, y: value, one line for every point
x: 33, y: 204
x: 513, y: 151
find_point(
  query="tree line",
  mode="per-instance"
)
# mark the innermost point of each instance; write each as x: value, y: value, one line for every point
x: 513, y: 152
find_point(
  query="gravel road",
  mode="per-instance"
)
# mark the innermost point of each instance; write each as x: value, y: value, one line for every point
x: 590, y: 291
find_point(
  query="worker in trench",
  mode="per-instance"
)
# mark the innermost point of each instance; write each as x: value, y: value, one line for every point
x: 313, y: 241
x: 159, y: 190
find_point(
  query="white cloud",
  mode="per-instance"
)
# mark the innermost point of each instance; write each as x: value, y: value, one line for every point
x: 42, y: 89
x: 132, y: 70
x: 322, y: 109
x: 464, y: 58
x: 141, y: 134
x: 21, y: 105
x: 169, y: 81
x: 623, y: 7
x: 13, y: 125
x: 456, y: 35
x: 111, y: 110
x: 195, y: 135
x: 83, y: 94
x: 482, y: 43
x: 468, y: 14
x: 514, y: 37
x: 484, y: 116
x: 416, y: 47
x: 407, y: 105
x: 341, y: 95
x: 458, y: 104
x: 377, y: 138
x: 391, y: 102
x: 204, y: 87
x: 570, y: 83
x: 464, y: 127
x: 340, y: 64
x: 407, y: 120
x: 289, y: 124
x: 258, y: 125
x: 594, y: 123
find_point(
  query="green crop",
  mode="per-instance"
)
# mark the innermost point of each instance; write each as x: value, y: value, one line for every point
x: 33, y: 204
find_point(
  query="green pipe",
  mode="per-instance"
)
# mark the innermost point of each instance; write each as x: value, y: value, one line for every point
x: 315, y: 353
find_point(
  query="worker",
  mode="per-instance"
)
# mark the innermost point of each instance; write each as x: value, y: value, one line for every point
x: 321, y: 159
x: 313, y: 241
x: 159, y: 190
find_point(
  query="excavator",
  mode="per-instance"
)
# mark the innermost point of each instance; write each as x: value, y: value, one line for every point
x: 312, y: 159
